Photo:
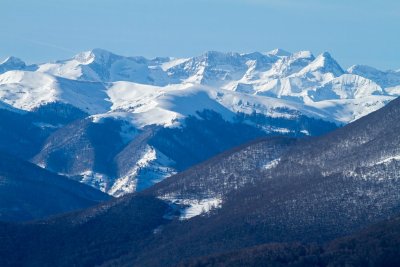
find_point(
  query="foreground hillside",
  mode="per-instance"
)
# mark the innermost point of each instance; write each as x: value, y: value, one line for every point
x: 378, y: 245
x: 28, y: 192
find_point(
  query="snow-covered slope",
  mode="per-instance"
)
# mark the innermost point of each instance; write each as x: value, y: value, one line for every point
x: 383, y: 78
x: 164, y: 92
x: 99, y: 81
x: 27, y: 90
x: 100, y: 65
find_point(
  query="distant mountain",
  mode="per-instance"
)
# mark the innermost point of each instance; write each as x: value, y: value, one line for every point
x: 27, y: 91
x: 28, y: 192
x: 386, y: 79
x: 171, y: 113
x: 100, y: 65
x: 277, y: 74
x: 273, y: 190
x: 14, y: 63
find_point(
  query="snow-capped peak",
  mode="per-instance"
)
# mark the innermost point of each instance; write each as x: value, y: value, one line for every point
x: 84, y: 57
x: 12, y: 63
x: 324, y: 63
x: 279, y: 53
x: 292, y: 64
x: 386, y: 79
x: 97, y: 54
x: 142, y: 92
x: 303, y: 54
x: 357, y: 69
x: 212, y: 57
x: 299, y: 77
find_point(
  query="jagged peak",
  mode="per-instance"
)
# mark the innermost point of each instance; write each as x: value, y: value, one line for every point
x: 161, y: 59
x: 304, y: 54
x: 253, y: 54
x: 325, y: 54
x: 326, y: 63
x: 362, y: 69
x: 260, y: 58
x: 14, y: 61
x: 101, y: 52
x: 96, y: 54
x: 279, y: 53
x: 217, y: 54
x: 217, y: 57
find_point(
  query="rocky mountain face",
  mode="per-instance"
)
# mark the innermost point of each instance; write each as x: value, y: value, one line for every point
x: 122, y: 124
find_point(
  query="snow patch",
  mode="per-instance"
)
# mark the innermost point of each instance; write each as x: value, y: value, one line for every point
x: 389, y: 159
x: 305, y: 132
x: 272, y: 164
x: 198, y: 207
x: 194, y: 207
x: 96, y: 180
x: 128, y: 182
x: 156, y: 169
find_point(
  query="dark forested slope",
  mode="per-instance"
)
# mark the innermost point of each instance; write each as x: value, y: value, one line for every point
x: 271, y: 190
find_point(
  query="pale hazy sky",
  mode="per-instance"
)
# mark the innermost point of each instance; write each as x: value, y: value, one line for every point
x: 354, y: 31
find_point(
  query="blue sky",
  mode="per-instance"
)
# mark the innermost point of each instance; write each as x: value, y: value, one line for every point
x: 355, y: 32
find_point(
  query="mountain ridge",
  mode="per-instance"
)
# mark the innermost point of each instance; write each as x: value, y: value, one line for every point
x: 277, y: 92
x: 310, y: 190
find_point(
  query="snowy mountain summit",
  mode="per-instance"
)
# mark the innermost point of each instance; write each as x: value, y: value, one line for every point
x: 301, y: 78
x: 151, y: 100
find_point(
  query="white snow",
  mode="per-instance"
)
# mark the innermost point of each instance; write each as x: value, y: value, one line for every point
x: 194, y: 207
x: 128, y: 182
x: 96, y: 180
x: 278, y: 52
x: 272, y: 164
x: 151, y: 159
x: 348, y: 110
x: 305, y: 132
x: 27, y: 90
x: 173, y: 62
x: 198, y: 207
x: 347, y: 86
x: 165, y: 91
x: 155, y: 162
x: 146, y: 104
x: 389, y: 159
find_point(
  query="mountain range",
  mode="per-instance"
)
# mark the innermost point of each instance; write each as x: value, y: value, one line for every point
x: 122, y: 124
x: 312, y: 201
